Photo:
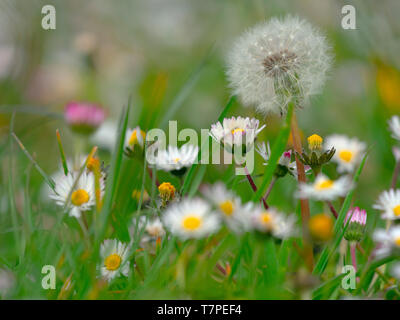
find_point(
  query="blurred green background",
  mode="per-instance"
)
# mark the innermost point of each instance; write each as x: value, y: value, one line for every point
x: 104, y: 51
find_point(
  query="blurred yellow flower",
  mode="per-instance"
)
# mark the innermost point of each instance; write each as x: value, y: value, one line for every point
x: 321, y: 227
x: 388, y: 84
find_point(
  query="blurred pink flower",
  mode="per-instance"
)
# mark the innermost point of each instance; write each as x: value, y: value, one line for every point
x: 84, y: 117
x: 357, y: 215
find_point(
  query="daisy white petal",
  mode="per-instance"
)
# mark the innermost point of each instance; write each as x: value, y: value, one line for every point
x: 389, y: 204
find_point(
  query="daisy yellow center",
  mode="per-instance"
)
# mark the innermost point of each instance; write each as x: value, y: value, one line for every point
x: 112, y: 262
x: 265, y: 218
x: 397, y: 241
x: 79, y: 197
x: 176, y: 160
x: 396, y: 210
x: 326, y: 184
x: 133, y: 139
x: 314, y: 142
x: 191, y: 223
x: 237, y: 130
x: 346, y: 155
x: 226, y: 207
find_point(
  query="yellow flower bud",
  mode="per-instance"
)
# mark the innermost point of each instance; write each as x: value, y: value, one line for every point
x: 314, y: 142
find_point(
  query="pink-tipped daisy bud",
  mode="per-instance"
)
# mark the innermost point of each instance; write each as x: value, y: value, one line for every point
x: 84, y: 117
x: 356, y: 225
x: 283, y: 165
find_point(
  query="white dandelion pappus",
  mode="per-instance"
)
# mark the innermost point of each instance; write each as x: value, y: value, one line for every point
x: 274, y: 222
x: 324, y: 188
x: 191, y: 218
x: 82, y: 197
x: 349, y: 151
x: 278, y: 62
x: 229, y: 206
x: 237, y: 131
x: 388, y: 241
x: 114, y: 256
x: 394, y: 127
x: 389, y: 204
x: 175, y: 159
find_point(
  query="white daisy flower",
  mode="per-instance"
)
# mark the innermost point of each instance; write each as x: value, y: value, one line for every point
x: 114, y: 255
x: 191, y: 218
x: 324, y: 188
x: 396, y: 153
x: 349, y: 151
x: 232, y: 211
x: 176, y: 159
x: 277, y: 62
x: 388, y: 241
x: 389, y: 203
x: 82, y: 197
x: 264, y: 151
x: 236, y: 132
x: 274, y: 222
x: 394, y: 126
x: 134, y: 137
x: 153, y: 228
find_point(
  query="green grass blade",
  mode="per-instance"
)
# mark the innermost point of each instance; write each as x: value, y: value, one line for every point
x: 276, y: 152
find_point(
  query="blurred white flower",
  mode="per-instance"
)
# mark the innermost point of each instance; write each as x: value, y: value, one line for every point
x: 388, y: 241
x: 105, y: 137
x: 396, y: 153
x: 233, y: 212
x: 134, y: 137
x: 324, y: 188
x: 349, y: 151
x: 389, y: 203
x: 277, y: 62
x: 273, y: 221
x: 394, y: 126
x: 191, y: 218
x: 7, y: 282
x: 114, y: 255
x: 153, y: 228
x: 395, y: 271
x: 176, y: 159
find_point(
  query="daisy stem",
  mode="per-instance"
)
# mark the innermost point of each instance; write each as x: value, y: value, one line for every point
x: 150, y: 172
x: 353, y: 255
x: 271, y: 185
x: 332, y: 208
x: 253, y: 186
x: 305, y: 209
x: 395, y: 174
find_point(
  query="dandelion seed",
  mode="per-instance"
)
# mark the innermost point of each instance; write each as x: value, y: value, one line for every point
x: 349, y: 152
x: 389, y: 204
x: 278, y: 62
x: 114, y: 255
x: 191, y: 218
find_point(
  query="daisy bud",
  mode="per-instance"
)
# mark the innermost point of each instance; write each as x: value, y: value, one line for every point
x: 135, y: 138
x: 314, y: 142
x: 321, y: 227
x: 136, y: 194
x: 167, y: 192
x: 84, y: 117
x: 356, y: 226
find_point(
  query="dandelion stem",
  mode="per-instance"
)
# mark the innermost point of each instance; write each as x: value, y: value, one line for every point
x: 253, y: 186
x: 332, y: 208
x: 305, y: 209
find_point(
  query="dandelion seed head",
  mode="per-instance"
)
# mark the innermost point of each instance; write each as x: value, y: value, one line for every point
x: 278, y: 62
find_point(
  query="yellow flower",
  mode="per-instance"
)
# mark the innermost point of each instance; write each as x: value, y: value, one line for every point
x: 93, y: 164
x: 314, y: 142
x: 167, y: 191
x: 321, y: 227
x: 388, y: 83
x: 136, y: 195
